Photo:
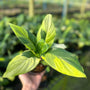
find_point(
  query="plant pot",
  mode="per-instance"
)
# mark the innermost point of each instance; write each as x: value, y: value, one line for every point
x: 40, y: 68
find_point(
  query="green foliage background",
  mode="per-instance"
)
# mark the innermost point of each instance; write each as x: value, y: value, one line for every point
x: 74, y: 33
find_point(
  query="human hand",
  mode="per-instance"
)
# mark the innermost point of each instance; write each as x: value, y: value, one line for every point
x: 31, y: 81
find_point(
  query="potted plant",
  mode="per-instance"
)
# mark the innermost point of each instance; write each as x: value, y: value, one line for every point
x: 40, y: 48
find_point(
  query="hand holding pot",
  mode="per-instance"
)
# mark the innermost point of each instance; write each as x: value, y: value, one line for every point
x: 31, y: 81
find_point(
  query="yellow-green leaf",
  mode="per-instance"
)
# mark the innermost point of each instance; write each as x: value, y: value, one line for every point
x: 21, y: 64
x: 27, y: 38
x: 64, y: 62
x: 47, y: 30
x: 42, y: 46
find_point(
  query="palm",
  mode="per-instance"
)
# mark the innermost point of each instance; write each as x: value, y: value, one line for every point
x: 30, y: 80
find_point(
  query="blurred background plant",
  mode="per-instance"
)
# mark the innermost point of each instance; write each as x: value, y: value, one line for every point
x: 72, y: 21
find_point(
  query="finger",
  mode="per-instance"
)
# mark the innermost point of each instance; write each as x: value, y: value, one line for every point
x: 24, y: 78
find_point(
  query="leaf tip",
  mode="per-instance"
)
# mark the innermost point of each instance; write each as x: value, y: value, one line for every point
x: 83, y: 76
x: 10, y: 23
x: 49, y: 15
x: 10, y: 78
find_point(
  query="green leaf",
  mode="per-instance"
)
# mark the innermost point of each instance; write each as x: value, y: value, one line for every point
x: 42, y: 46
x: 21, y: 64
x: 28, y: 39
x: 64, y: 62
x: 47, y: 30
